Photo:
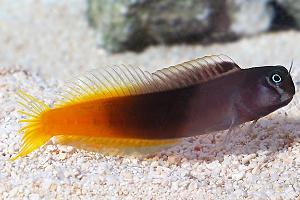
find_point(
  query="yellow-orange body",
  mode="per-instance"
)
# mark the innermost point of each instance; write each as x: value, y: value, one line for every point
x: 88, y: 118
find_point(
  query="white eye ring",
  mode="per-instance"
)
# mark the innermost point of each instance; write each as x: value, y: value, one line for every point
x: 276, y: 78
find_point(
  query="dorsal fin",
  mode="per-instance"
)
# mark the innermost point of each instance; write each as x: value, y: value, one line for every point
x: 108, y: 82
x: 196, y: 71
x: 122, y: 80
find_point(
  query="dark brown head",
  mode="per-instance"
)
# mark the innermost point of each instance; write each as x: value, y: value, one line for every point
x: 266, y: 89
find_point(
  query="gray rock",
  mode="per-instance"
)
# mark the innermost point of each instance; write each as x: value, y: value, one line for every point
x: 134, y: 24
x: 250, y: 17
x: 292, y: 7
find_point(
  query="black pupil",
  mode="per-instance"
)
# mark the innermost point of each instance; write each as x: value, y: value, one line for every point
x: 276, y: 78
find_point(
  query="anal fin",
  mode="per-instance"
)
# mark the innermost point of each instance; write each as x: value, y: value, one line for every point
x: 116, y: 146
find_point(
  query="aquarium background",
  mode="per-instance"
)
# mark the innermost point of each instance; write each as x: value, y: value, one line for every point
x: 44, y: 43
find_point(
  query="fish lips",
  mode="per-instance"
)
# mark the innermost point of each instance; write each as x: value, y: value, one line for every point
x: 286, y: 98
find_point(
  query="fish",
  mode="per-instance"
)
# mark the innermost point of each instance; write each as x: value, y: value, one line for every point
x: 126, y: 110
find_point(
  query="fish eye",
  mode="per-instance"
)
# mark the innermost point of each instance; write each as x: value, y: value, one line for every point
x: 276, y: 78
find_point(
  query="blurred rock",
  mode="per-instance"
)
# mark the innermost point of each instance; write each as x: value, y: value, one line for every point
x: 130, y: 24
x: 134, y: 24
x: 250, y: 17
x: 292, y: 7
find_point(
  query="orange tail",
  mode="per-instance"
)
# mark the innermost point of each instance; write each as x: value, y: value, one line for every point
x: 33, y: 137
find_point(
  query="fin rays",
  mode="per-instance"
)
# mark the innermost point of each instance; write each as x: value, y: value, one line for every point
x: 113, y: 146
x: 126, y: 80
x: 33, y: 136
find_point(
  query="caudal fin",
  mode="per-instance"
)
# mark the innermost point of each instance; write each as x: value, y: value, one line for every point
x: 33, y: 137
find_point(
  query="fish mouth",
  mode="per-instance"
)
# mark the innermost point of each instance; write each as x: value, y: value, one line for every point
x: 285, y: 99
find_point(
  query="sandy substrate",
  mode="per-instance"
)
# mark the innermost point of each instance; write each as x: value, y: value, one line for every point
x: 43, y: 44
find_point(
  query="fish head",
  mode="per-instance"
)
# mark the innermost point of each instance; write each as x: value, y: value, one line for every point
x: 267, y: 88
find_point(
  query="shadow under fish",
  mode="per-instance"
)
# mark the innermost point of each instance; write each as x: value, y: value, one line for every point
x: 125, y: 110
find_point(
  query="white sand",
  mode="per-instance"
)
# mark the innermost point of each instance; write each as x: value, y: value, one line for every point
x: 44, y: 43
